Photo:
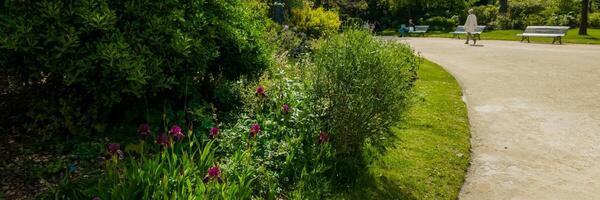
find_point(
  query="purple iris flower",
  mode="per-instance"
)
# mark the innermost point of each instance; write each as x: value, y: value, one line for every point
x: 144, y: 130
x: 176, y: 132
x: 254, y: 130
x: 214, y: 131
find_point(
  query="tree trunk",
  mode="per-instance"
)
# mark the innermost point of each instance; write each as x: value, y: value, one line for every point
x: 584, y: 17
x: 503, y: 6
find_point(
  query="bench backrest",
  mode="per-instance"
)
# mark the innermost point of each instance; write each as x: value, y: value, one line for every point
x: 421, y: 28
x: 547, y: 29
x: 477, y: 29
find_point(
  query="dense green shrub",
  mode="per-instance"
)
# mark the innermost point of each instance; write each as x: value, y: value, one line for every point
x: 502, y: 22
x: 568, y: 19
x: 537, y: 13
x: 595, y: 20
x: 287, y: 154
x: 276, y: 148
x: 441, y: 23
x: 315, y: 22
x: 364, y: 83
x: 486, y: 14
x: 86, y: 62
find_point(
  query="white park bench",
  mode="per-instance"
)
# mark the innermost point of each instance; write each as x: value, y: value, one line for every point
x: 460, y: 30
x: 556, y: 32
x: 419, y: 30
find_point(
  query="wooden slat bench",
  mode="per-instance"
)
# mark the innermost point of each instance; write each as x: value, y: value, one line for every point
x: 419, y: 30
x: 556, y: 32
x: 460, y: 30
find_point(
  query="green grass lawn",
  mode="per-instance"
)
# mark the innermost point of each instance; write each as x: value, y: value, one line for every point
x: 432, y: 150
x: 572, y: 36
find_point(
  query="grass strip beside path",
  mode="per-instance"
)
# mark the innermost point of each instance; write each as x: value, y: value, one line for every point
x: 432, y: 152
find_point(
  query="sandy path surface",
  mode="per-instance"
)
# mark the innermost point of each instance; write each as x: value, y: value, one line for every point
x: 534, y: 111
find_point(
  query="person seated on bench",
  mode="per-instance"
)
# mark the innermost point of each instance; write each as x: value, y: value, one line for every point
x: 471, y: 26
x: 411, y: 25
x: 403, y: 30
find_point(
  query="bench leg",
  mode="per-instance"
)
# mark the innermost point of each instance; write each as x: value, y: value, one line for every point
x: 528, y: 40
x: 554, y: 40
x: 479, y: 36
x: 560, y: 40
x: 522, y: 38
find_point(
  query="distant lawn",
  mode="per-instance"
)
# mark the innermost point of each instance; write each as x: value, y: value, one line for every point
x: 593, y: 36
x: 432, y: 151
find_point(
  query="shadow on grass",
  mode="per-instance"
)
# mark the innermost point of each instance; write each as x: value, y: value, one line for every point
x: 381, y: 187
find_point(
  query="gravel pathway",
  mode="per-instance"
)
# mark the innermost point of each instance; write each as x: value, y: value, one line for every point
x: 534, y: 111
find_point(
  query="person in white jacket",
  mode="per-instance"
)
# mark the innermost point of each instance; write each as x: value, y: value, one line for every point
x: 470, y: 26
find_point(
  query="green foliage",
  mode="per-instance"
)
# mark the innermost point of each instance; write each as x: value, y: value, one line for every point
x: 284, y: 159
x: 363, y: 83
x: 536, y: 13
x: 402, y: 10
x: 286, y: 155
x: 595, y: 20
x: 441, y: 23
x: 315, y: 22
x: 67, y: 188
x: 86, y: 61
x: 430, y: 158
x: 175, y: 173
x: 486, y: 14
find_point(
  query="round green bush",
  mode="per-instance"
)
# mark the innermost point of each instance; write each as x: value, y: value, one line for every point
x: 595, y: 20
x: 441, y: 23
x: 85, y: 63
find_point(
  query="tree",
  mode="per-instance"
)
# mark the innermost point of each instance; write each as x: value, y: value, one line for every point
x: 503, y: 6
x: 584, y: 17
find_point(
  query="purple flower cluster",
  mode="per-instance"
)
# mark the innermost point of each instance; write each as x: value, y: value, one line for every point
x: 144, y: 130
x: 114, y: 149
x: 323, y: 138
x: 175, y: 131
x: 254, y: 130
x: 214, y: 131
x: 260, y: 91
x: 163, y: 140
x: 214, y: 173
x: 286, y: 108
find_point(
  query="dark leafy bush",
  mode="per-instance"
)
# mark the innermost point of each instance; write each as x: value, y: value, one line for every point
x: 568, y: 19
x: 486, y: 14
x: 532, y: 13
x: 441, y: 23
x: 84, y: 62
x: 595, y: 20
x: 364, y: 83
x: 275, y: 149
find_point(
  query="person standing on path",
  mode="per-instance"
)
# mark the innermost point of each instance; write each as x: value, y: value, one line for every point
x: 470, y: 26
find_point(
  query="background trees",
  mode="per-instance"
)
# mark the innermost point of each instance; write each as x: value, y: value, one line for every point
x: 585, y: 9
x: 497, y: 14
x: 503, y: 6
